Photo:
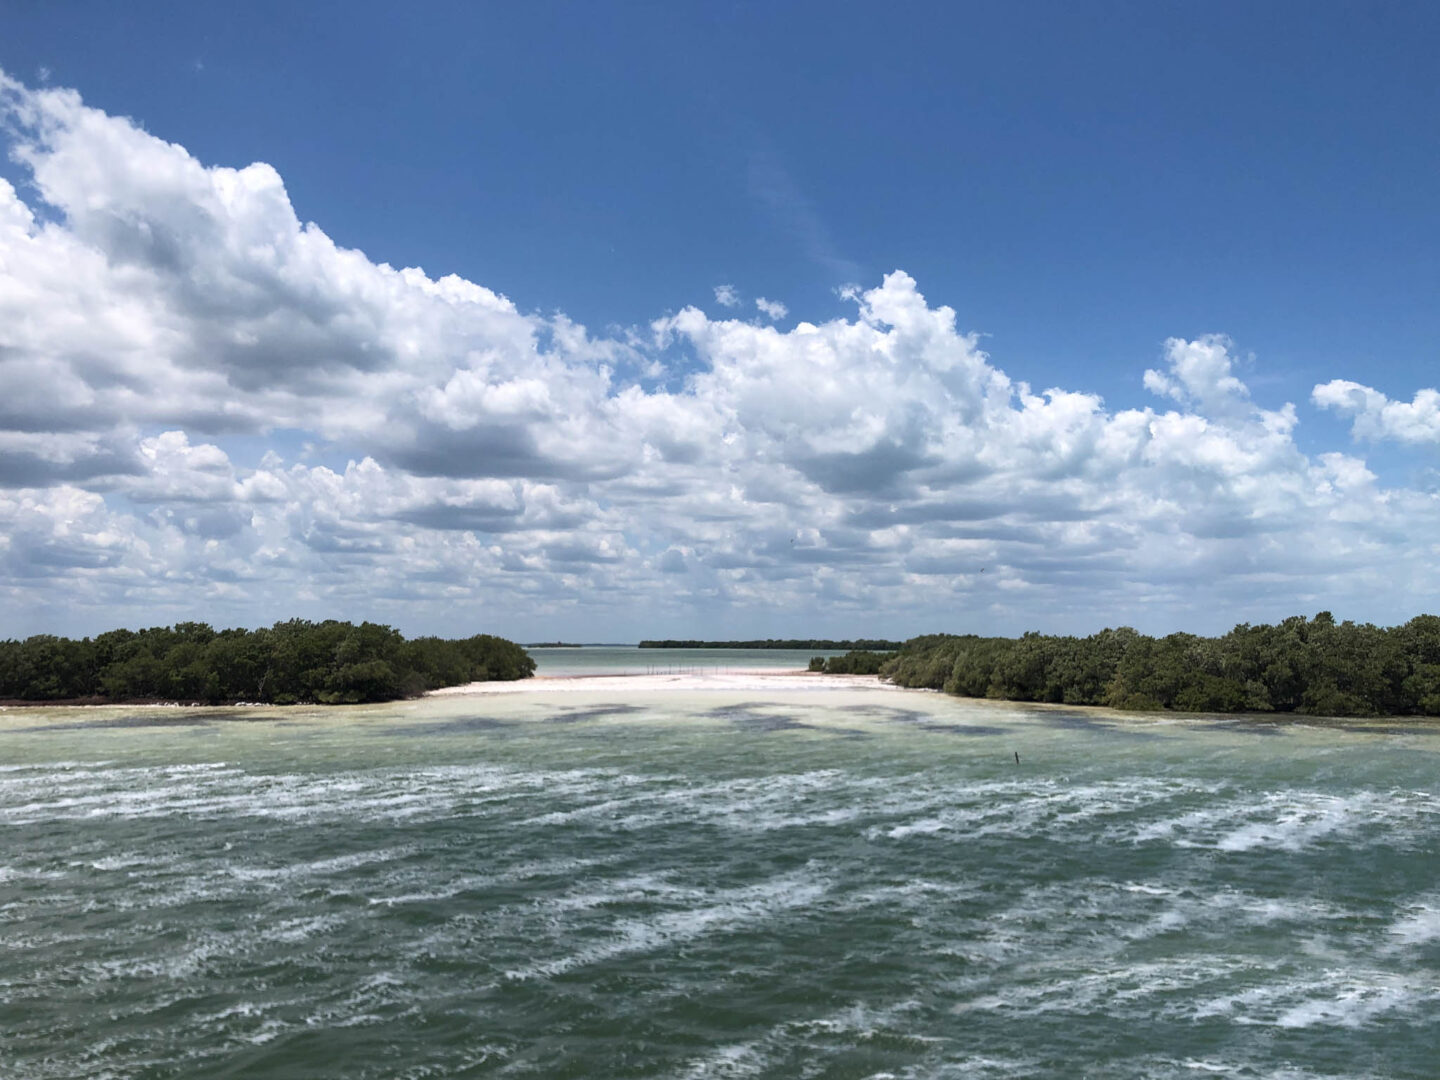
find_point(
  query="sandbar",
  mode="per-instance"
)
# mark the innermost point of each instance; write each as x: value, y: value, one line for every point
x: 730, y: 680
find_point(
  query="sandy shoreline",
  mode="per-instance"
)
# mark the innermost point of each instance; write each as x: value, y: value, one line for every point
x: 729, y: 680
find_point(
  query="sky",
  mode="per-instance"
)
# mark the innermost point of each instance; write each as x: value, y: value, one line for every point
x: 600, y: 322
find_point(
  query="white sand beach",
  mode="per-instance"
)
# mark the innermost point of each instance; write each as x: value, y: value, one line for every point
x: 729, y: 680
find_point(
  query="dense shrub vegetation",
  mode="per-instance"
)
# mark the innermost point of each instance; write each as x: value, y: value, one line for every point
x: 329, y: 662
x: 772, y: 643
x: 854, y: 662
x: 1314, y: 666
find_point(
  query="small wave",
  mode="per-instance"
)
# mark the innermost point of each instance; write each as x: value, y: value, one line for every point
x: 1421, y: 924
x: 216, y: 790
x: 1294, y: 820
x: 727, y: 911
x: 1341, y: 998
x: 848, y: 1027
x: 335, y: 864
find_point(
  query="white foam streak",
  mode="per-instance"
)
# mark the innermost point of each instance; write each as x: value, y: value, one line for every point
x: 1346, y: 998
x: 803, y: 1038
x: 728, y: 910
x: 213, y: 791
x: 1295, y: 820
x: 1420, y: 925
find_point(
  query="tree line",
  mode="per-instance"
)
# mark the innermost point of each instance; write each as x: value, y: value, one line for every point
x: 327, y: 662
x: 854, y: 662
x: 774, y: 643
x: 1316, y: 666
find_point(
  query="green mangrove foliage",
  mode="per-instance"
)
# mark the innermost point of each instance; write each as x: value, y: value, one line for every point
x: 854, y: 662
x: 1314, y: 666
x: 328, y: 662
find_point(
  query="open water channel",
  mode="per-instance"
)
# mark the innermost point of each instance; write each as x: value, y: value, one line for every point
x: 835, y: 884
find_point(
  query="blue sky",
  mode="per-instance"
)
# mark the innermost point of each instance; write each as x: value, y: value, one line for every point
x: 1081, y: 184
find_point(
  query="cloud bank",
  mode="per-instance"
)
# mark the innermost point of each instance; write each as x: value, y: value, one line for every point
x: 512, y: 471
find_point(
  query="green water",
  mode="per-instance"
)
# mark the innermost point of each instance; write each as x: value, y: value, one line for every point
x: 838, y: 885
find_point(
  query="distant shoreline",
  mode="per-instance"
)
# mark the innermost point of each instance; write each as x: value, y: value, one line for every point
x: 785, y: 644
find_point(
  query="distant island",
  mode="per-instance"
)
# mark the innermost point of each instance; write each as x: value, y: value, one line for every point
x: 776, y: 643
x: 553, y: 645
x: 1315, y: 667
x: 329, y: 663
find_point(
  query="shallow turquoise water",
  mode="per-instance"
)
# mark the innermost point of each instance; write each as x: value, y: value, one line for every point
x: 829, y: 885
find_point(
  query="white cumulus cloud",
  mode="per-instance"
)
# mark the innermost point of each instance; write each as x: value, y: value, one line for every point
x: 773, y: 309
x: 480, y: 467
x: 1375, y: 416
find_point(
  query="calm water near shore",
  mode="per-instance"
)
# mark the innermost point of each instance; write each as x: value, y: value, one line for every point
x: 714, y: 885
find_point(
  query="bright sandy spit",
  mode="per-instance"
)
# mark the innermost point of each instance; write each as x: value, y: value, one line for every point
x: 757, y: 680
